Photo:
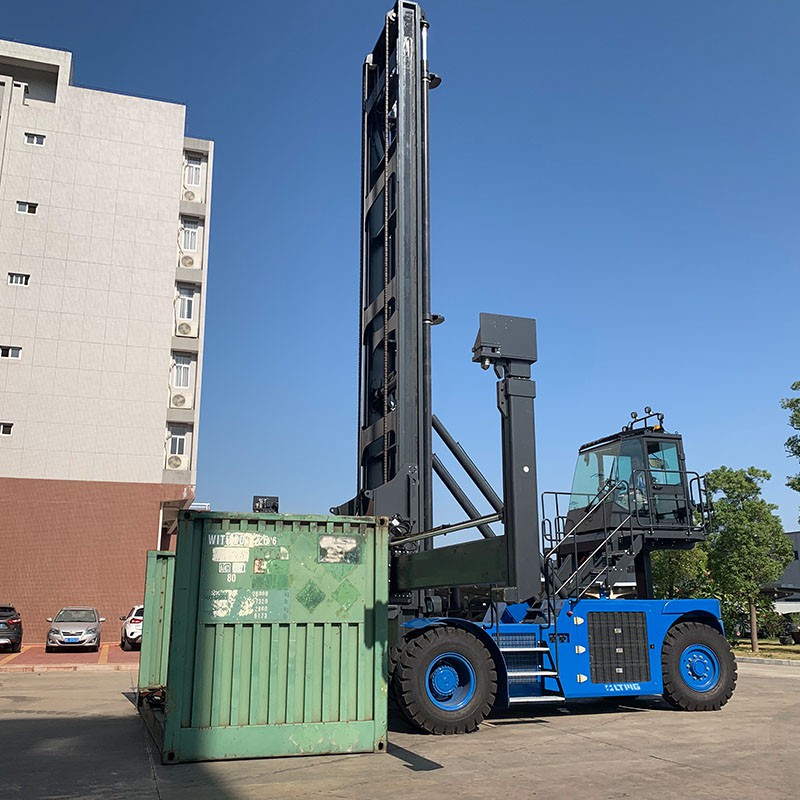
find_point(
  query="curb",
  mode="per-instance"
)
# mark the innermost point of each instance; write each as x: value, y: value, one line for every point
x: 784, y: 662
x: 69, y: 668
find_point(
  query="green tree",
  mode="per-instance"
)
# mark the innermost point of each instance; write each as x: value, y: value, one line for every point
x: 680, y: 573
x: 792, y: 405
x: 747, y: 548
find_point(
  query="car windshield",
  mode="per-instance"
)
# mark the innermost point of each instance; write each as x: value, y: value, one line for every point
x: 139, y: 612
x: 76, y: 615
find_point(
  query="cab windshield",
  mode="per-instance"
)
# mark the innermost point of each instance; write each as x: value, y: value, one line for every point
x: 599, y: 470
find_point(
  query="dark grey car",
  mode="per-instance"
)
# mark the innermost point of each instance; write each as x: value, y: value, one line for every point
x: 74, y: 626
x: 10, y: 628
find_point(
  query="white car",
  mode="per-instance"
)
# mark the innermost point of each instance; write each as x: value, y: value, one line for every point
x: 130, y: 636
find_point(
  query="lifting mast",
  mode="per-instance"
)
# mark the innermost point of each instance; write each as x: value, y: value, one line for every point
x: 394, y: 405
x: 395, y: 459
x: 396, y: 462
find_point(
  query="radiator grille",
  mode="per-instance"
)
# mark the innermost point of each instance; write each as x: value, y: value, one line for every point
x: 618, y: 648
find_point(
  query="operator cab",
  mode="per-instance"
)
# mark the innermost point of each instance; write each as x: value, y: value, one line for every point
x: 636, y: 481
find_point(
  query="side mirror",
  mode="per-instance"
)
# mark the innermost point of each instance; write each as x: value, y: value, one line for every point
x: 103, y: 619
x: 122, y: 616
x: 49, y: 619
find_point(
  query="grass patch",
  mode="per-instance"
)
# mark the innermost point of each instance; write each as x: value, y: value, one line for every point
x: 768, y: 648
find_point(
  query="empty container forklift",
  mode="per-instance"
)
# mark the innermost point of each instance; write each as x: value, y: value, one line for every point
x: 547, y: 632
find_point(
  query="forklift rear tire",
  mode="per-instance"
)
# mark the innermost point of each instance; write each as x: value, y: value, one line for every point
x: 445, y: 681
x: 698, y: 667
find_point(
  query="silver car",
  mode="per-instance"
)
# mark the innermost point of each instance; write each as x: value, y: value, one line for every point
x: 74, y: 626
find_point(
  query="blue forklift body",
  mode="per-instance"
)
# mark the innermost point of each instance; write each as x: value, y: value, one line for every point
x: 593, y: 648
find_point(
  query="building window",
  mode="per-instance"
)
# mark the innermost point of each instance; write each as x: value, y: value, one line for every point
x: 5, y: 428
x: 18, y: 279
x: 35, y: 138
x: 190, y: 227
x: 178, y: 446
x: 24, y: 207
x: 185, y: 302
x: 6, y: 351
x: 192, y: 170
x: 181, y: 372
x: 177, y: 441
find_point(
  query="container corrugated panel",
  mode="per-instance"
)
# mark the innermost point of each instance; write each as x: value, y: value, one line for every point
x: 158, y: 588
x: 278, y: 640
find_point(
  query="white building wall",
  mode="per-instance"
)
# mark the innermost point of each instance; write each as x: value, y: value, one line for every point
x: 89, y: 395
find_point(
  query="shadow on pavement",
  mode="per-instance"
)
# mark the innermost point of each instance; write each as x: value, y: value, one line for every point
x: 93, y: 758
x: 412, y: 760
x: 519, y: 715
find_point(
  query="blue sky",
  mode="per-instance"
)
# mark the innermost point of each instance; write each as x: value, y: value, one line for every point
x: 628, y: 173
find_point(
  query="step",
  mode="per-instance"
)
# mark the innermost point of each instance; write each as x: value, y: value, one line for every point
x: 532, y: 673
x: 537, y: 698
x: 524, y: 649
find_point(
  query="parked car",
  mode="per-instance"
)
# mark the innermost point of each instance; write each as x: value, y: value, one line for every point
x: 10, y: 628
x: 130, y: 636
x: 74, y: 626
x: 790, y: 633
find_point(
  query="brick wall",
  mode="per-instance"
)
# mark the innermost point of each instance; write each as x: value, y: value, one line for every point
x: 77, y: 543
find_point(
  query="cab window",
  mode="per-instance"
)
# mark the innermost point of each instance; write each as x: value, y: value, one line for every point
x: 662, y: 461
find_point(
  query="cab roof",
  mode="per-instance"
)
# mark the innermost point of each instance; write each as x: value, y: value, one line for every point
x: 628, y: 433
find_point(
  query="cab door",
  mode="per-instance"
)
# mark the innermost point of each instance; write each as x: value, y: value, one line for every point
x: 664, y: 480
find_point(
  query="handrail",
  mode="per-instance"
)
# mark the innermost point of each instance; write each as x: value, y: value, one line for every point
x: 591, y: 556
x: 597, y: 500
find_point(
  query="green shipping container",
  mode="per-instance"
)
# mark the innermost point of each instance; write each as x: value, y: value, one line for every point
x: 278, y: 641
x: 154, y: 655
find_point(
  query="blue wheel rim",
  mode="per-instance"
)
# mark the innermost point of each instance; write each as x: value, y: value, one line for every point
x: 700, y: 668
x: 450, y: 681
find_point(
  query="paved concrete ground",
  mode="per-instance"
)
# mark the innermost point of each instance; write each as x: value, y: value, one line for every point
x: 33, y: 657
x: 77, y: 735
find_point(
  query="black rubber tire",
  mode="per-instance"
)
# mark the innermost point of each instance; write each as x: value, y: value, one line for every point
x: 394, y: 655
x: 48, y: 649
x: 411, y: 667
x: 126, y: 645
x: 677, y: 692
x: 394, y: 682
x: 16, y: 647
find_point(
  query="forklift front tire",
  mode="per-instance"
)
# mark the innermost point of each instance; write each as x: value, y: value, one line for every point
x: 445, y: 681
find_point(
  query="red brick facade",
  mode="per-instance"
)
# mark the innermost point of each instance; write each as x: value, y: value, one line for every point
x: 78, y: 543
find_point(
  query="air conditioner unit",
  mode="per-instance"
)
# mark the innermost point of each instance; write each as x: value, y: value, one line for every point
x: 181, y: 398
x: 188, y: 261
x: 186, y: 328
x: 193, y: 194
x: 177, y: 462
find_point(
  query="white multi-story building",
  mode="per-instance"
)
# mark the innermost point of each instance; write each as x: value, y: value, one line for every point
x: 104, y: 210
